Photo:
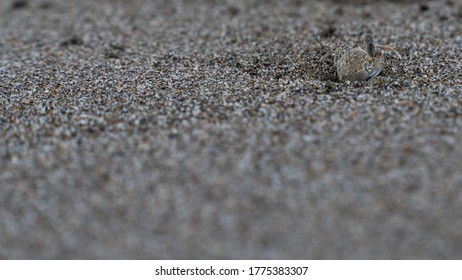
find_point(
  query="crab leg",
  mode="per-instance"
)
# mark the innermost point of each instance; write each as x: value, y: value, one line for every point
x: 388, y: 48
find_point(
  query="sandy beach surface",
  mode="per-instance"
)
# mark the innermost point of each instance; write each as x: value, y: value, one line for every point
x: 210, y: 129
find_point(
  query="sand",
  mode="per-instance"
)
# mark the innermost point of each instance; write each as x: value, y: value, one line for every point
x: 211, y: 130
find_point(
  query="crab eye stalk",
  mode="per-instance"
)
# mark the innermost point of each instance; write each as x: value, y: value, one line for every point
x: 370, y: 48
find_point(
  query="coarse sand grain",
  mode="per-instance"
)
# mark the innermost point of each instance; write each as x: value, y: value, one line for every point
x: 210, y: 129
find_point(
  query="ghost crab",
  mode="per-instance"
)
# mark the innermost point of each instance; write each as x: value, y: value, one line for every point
x: 357, y: 64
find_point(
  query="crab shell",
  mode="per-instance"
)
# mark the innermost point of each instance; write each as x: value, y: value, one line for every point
x: 354, y: 65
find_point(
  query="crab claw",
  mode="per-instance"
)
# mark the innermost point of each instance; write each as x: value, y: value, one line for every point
x: 374, y: 73
x: 370, y: 48
x: 378, y: 66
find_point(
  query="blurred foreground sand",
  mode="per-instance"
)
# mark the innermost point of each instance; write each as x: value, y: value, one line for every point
x: 209, y: 129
